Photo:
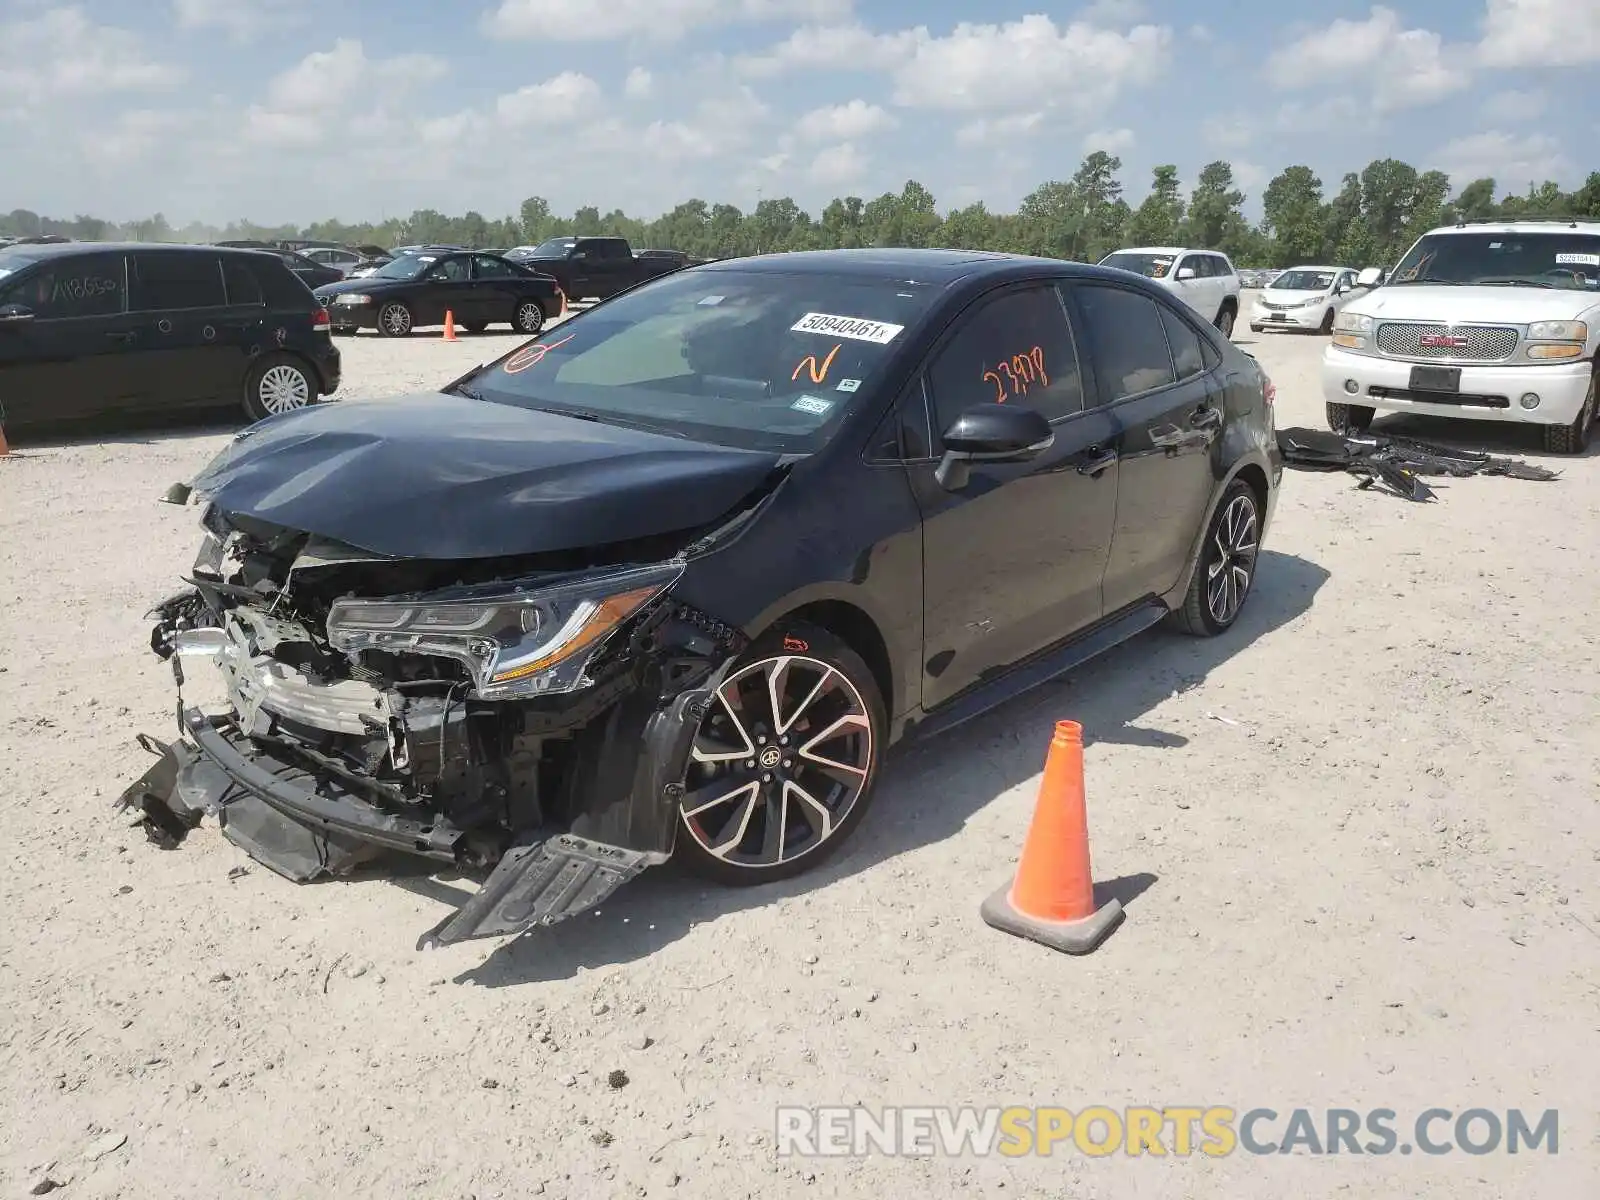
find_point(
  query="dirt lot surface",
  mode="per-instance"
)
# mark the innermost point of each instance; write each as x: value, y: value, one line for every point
x: 1358, y: 837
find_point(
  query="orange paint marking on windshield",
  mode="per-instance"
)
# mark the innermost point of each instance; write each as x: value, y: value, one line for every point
x: 809, y: 364
x: 531, y: 356
x: 1015, y: 375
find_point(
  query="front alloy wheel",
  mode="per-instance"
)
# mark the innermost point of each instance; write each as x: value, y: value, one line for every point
x: 784, y: 761
x: 530, y: 317
x: 394, y: 320
x: 1227, y: 565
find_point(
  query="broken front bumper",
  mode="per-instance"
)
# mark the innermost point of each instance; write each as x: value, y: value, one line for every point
x: 304, y: 825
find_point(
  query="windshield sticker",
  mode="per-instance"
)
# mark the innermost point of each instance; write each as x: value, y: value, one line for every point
x: 809, y: 365
x: 848, y: 385
x: 856, y: 328
x: 812, y: 404
x: 710, y: 300
x: 1157, y: 270
x: 532, y: 356
x: 1582, y: 260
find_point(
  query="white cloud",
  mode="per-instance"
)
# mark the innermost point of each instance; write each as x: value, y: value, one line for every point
x: 991, y: 131
x: 293, y: 115
x: 663, y: 20
x: 639, y: 84
x: 1512, y: 160
x: 1202, y: 33
x: 555, y: 101
x: 1395, y: 66
x: 1112, y: 141
x: 844, y: 122
x: 1516, y: 106
x: 831, y: 47
x: 240, y: 18
x: 1248, y: 175
x: 1540, y: 33
x: 61, y: 54
x: 1231, y: 132
x: 838, y: 166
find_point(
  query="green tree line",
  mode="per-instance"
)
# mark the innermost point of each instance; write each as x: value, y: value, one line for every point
x: 1368, y: 219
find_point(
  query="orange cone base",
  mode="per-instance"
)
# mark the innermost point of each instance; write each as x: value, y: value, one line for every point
x: 1069, y: 937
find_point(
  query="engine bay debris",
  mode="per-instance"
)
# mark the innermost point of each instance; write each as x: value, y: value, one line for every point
x: 1396, y: 463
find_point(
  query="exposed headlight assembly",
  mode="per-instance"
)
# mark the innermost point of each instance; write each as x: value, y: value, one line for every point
x: 514, y: 644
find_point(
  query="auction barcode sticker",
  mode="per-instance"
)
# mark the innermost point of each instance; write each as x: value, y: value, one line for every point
x: 857, y: 328
x: 1583, y: 260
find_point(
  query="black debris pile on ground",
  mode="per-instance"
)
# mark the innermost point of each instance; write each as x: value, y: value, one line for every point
x: 1396, y: 463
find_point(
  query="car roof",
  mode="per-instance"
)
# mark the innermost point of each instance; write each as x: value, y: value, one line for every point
x: 930, y: 265
x: 67, y: 249
x: 1314, y: 267
x: 1554, y: 225
x: 1152, y: 250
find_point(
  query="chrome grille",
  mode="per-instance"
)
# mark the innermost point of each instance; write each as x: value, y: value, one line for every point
x: 1483, y: 342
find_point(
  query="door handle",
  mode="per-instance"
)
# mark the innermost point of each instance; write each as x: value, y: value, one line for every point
x: 1205, y: 418
x: 1095, y: 460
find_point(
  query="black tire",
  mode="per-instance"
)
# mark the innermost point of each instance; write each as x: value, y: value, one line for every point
x: 1225, y: 318
x: 475, y: 326
x: 276, y: 384
x: 1255, y: 329
x: 1574, y: 438
x: 1226, y: 568
x: 729, y: 805
x: 1350, y: 418
x: 1326, y: 328
x: 529, y: 317
x: 395, y: 320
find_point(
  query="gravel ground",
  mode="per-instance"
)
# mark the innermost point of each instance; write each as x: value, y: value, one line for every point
x: 1359, y: 834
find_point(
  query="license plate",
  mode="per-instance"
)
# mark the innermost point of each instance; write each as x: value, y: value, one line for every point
x: 1435, y: 379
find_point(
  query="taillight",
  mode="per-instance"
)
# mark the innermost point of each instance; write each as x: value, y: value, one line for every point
x: 321, y: 322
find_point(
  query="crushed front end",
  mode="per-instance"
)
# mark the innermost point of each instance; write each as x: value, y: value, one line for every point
x: 532, y: 717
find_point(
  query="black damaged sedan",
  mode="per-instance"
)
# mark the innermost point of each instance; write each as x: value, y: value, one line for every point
x: 670, y: 578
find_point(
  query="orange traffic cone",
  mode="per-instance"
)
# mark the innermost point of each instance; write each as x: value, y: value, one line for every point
x: 449, y: 326
x: 1051, y: 900
x: 5, y: 446
x: 562, y: 293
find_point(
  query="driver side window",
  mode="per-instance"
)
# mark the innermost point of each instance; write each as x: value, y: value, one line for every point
x: 1016, y: 348
x: 453, y: 270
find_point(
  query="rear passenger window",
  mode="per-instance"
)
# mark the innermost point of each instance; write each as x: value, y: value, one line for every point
x: 87, y: 286
x: 243, y: 288
x: 1187, y: 357
x: 1126, y: 341
x: 172, y: 281
x: 486, y: 266
x: 1017, y: 349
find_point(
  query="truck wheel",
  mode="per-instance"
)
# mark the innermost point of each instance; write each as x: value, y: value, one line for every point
x: 1574, y: 438
x: 1349, y: 418
x: 1224, y: 320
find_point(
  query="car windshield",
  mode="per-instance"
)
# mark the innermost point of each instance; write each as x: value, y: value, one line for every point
x: 1303, y: 281
x: 554, y: 246
x: 1151, y: 266
x: 1555, y: 259
x: 407, y: 266
x: 760, y: 360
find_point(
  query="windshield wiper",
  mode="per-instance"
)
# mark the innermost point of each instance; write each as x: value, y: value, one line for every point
x: 1427, y: 282
x: 1538, y: 283
x: 584, y: 414
x: 461, y: 389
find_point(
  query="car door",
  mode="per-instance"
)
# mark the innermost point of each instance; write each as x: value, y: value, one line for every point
x: 446, y: 286
x: 1012, y: 560
x: 180, y: 302
x: 1189, y: 281
x: 1153, y: 375
x: 67, y: 346
x: 494, y: 292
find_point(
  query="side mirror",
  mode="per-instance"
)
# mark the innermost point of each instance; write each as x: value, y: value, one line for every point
x: 1371, y: 277
x: 991, y: 433
x: 1185, y: 272
x: 13, y: 314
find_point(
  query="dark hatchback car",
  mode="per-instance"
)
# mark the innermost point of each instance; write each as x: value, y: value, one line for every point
x: 94, y: 328
x: 672, y: 577
x: 417, y: 290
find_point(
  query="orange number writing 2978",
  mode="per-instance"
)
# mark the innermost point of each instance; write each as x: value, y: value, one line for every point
x: 1015, y: 375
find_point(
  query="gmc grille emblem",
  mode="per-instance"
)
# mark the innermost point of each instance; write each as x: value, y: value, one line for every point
x: 1443, y: 341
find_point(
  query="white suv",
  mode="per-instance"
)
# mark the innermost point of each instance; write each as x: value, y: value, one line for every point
x: 1497, y: 321
x: 1205, y: 279
x: 1303, y: 298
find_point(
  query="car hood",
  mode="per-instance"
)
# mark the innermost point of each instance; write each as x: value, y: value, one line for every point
x: 1504, y: 305
x: 367, y: 284
x: 440, y: 476
x: 1291, y: 296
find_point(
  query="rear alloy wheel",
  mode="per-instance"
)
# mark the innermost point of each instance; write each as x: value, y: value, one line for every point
x: 276, y: 386
x: 530, y: 317
x: 1225, y: 321
x: 1227, y: 566
x: 1574, y: 438
x: 1350, y: 418
x: 394, y: 320
x: 784, y: 762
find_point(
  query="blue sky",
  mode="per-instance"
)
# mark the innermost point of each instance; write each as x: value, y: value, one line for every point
x: 295, y: 110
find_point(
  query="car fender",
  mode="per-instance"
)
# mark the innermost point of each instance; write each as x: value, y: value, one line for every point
x: 1271, y: 467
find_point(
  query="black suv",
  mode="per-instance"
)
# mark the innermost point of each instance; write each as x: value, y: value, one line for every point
x: 92, y: 328
x: 669, y: 578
